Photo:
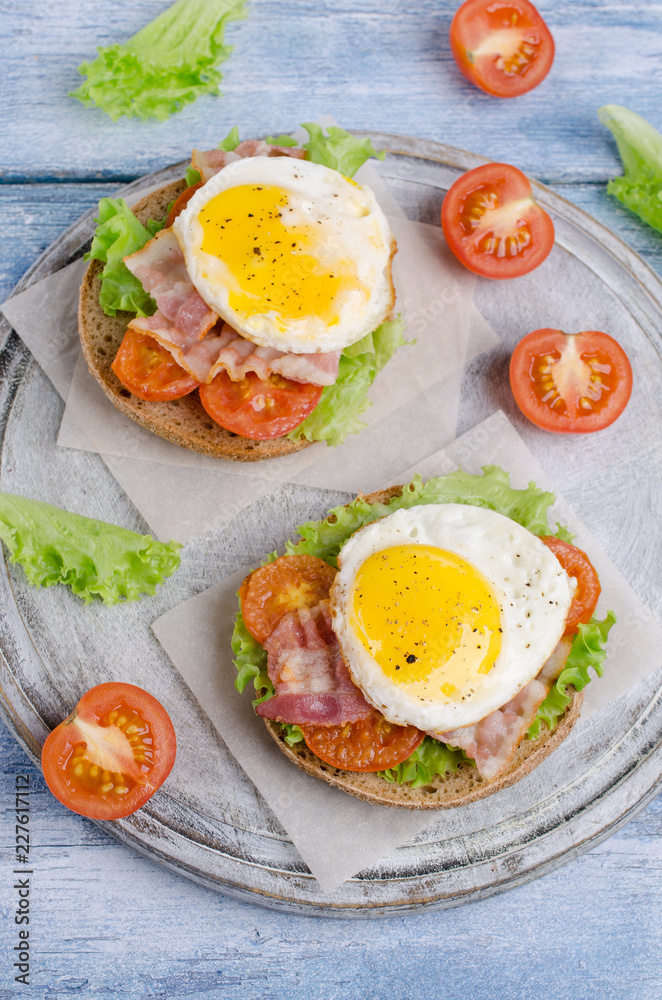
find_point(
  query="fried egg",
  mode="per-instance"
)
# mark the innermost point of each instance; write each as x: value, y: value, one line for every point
x: 293, y: 255
x: 444, y: 612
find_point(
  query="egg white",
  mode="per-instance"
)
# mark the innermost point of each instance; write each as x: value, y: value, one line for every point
x: 347, y: 234
x: 533, y: 593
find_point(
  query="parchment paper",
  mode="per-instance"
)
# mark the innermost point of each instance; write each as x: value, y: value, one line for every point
x: 336, y: 834
x: 435, y: 296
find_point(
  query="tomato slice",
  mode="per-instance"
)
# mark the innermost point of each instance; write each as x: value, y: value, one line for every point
x: 112, y: 753
x: 288, y: 583
x: 502, y: 46
x: 570, y: 383
x: 576, y: 564
x: 180, y: 203
x: 493, y: 225
x: 148, y: 370
x: 372, y: 744
x: 257, y: 408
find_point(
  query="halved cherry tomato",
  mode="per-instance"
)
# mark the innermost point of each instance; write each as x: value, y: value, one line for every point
x: 493, y: 225
x: 257, y: 408
x: 149, y: 371
x: 112, y: 753
x: 576, y: 564
x: 502, y: 46
x: 372, y: 744
x: 288, y: 583
x: 570, y: 383
x: 180, y: 203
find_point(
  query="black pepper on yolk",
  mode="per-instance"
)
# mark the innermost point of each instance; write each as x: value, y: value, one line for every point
x: 428, y: 618
x: 287, y: 270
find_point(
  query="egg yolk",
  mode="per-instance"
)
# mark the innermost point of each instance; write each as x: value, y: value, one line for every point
x: 428, y: 618
x: 273, y: 264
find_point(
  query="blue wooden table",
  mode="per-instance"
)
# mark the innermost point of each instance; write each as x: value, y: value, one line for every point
x: 106, y: 922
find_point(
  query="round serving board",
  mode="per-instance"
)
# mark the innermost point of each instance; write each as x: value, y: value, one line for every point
x: 208, y: 822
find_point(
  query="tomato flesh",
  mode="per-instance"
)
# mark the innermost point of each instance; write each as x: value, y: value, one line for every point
x: 111, y: 754
x: 180, y: 203
x: 570, y: 383
x: 259, y: 408
x: 492, y: 223
x: 577, y: 565
x: 372, y: 744
x: 502, y: 46
x: 149, y: 371
x: 287, y: 584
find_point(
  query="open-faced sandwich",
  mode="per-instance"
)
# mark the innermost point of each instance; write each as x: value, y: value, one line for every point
x: 424, y: 646
x: 253, y: 319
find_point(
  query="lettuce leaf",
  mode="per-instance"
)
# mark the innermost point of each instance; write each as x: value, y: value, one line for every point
x: 293, y: 734
x: 92, y: 557
x: 231, y: 140
x: 587, y: 651
x: 429, y: 758
x: 491, y: 489
x: 250, y: 660
x: 338, y: 412
x: 118, y: 234
x: 337, y: 149
x: 640, y: 148
x: 280, y: 140
x: 165, y: 66
x: 192, y: 176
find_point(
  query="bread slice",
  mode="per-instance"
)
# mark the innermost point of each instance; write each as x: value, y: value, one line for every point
x: 183, y: 421
x: 447, y: 792
x: 442, y: 792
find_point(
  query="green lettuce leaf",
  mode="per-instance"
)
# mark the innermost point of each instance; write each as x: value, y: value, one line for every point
x: 231, y: 140
x: 92, y: 557
x: 491, y: 489
x: 281, y: 140
x: 640, y: 148
x: 118, y: 234
x: 293, y: 734
x: 429, y: 758
x: 192, y: 176
x: 338, y: 149
x: 340, y: 407
x: 250, y: 661
x: 165, y: 66
x: 587, y: 652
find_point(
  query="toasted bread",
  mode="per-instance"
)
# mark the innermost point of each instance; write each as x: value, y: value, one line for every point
x: 182, y: 421
x: 442, y: 792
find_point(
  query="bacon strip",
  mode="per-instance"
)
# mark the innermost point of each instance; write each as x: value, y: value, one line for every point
x: 209, y: 162
x: 239, y: 356
x: 197, y: 357
x: 223, y: 349
x: 160, y: 268
x: 313, y: 685
x: 493, y: 741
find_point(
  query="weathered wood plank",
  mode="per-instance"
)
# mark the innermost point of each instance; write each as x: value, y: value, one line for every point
x: 32, y: 216
x: 374, y: 65
x: 126, y: 926
x: 108, y: 922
